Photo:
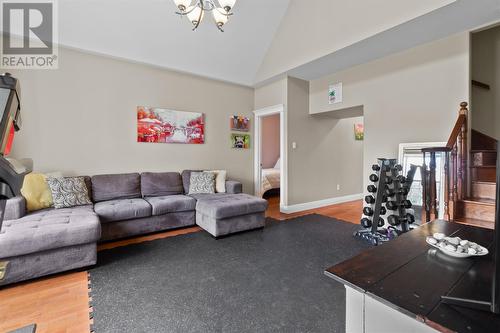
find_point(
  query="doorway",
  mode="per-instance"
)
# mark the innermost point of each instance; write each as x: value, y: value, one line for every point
x: 270, y: 172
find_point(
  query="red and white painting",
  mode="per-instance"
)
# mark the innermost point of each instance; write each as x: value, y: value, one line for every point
x: 169, y: 126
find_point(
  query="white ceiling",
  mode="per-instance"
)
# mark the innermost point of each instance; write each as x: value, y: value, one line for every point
x: 149, y: 31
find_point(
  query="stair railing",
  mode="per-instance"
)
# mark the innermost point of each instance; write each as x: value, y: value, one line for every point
x: 455, y: 170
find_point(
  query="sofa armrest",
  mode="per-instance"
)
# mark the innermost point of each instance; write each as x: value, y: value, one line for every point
x: 15, y: 208
x: 233, y: 187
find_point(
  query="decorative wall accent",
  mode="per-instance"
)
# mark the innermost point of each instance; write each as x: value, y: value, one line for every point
x: 240, y: 141
x: 169, y: 126
x: 335, y: 93
x: 240, y: 123
x: 359, y: 132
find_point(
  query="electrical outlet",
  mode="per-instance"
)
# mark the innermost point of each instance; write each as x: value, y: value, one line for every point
x: 338, y: 187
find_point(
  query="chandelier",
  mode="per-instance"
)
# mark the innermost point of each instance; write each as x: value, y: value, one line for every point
x: 195, y: 10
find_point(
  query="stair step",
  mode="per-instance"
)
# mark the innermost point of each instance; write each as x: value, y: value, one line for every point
x: 476, y: 222
x: 485, y: 157
x: 484, y: 190
x: 477, y: 208
x: 484, y: 173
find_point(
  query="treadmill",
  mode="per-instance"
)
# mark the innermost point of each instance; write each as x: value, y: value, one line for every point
x: 12, y: 172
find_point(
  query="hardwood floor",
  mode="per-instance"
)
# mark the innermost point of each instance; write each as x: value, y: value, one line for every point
x: 60, y: 303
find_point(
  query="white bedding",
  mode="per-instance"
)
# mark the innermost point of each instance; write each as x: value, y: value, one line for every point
x: 270, y: 179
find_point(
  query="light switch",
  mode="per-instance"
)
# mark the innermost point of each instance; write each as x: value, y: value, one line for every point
x: 294, y: 145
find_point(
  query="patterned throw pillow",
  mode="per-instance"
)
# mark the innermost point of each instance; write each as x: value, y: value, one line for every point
x: 69, y: 192
x: 202, y: 182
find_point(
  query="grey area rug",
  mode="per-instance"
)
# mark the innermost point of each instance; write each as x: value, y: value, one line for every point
x: 267, y: 280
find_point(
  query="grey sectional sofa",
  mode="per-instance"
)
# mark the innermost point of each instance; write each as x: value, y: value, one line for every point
x: 56, y: 240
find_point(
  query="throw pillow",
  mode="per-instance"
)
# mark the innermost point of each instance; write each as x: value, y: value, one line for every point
x: 69, y: 192
x: 220, y: 180
x: 36, y: 191
x: 202, y: 182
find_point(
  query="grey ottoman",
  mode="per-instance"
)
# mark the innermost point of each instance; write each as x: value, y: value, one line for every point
x: 223, y: 214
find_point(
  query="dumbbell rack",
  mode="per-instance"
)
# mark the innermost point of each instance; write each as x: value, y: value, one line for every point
x: 387, y: 183
x: 372, y: 231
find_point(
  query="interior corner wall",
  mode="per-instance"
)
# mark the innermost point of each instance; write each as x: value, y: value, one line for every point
x: 81, y: 118
x: 485, y: 68
x: 412, y: 96
x: 326, y: 153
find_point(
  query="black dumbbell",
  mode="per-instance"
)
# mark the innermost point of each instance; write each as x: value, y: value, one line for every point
x: 406, y: 204
x: 374, y: 178
x: 398, y: 167
x: 410, y: 218
x: 366, y: 222
x: 394, y: 220
x: 392, y: 205
x: 401, y: 179
x: 376, y: 167
x: 383, y: 211
x: 384, y: 198
x: 372, y: 188
x: 381, y: 222
x: 370, y: 199
x: 368, y: 211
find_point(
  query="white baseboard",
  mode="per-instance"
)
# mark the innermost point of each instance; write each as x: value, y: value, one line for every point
x: 320, y: 203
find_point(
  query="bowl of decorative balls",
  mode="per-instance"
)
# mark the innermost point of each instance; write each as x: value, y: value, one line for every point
x: 455, y: 246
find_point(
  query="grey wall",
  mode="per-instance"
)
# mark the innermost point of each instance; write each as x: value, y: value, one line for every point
x: 326, y: 153
x: 412, y: 96
x: 81, y: 118
x: 485, y: 60
x: 270, y: 140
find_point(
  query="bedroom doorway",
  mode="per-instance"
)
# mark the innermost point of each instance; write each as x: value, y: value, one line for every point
x: 270, y: 159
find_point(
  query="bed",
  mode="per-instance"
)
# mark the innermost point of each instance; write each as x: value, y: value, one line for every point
x: 270, y: 179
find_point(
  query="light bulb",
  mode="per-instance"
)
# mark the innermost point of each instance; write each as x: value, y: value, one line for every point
x: 194, y: 16
x: 227, y: 4
x: 182, y: 4
x: 220, y: 19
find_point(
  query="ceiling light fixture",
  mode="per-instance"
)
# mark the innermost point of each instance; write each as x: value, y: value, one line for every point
x: 195, y: 10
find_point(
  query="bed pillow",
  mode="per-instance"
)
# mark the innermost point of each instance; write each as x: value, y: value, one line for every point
x: 69, y: 192
x: 220, y: 180
x: 202, y: 182
x: 277, y: 165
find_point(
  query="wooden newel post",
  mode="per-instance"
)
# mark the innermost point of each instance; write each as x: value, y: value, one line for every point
x: 465, y: 153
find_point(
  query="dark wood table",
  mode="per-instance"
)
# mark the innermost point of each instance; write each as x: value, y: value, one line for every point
x: 410, y: 276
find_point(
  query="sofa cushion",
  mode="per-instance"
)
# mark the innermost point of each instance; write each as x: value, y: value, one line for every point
x: 221, y: 205
x: 49, y: 229
x: 118, y: 186
x: 69, y: 192
x: 157, y: 184
x: 122, y: 209
x: 202, y: 182
x: 171, y: 204
x: 186, y: 179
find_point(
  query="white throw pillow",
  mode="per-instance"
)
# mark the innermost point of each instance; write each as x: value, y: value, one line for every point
x: 220, y: 180
x: 277, y: 165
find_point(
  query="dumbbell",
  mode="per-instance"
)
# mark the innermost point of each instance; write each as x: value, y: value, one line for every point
x: 366, y: 222
x: 398, y: 167
x: 410, y: 218
x: 374, y: 178
x: 372, y: 188
x: 406, y: 204
x: 381, y: 222
x: 394, y: 220
x: 368, y: 211
x: 401, y: 179
x: 376, y: 167
x: 392, y: 205
x: 370, y: 199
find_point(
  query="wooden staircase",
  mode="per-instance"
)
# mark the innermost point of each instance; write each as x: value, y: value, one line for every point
x: 469, y: 200
x: 479, y: 208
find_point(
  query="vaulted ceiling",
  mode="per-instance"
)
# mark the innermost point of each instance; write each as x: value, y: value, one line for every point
x: 264, y: 37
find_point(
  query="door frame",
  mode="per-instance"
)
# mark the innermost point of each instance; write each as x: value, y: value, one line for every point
x: 259, y: 114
